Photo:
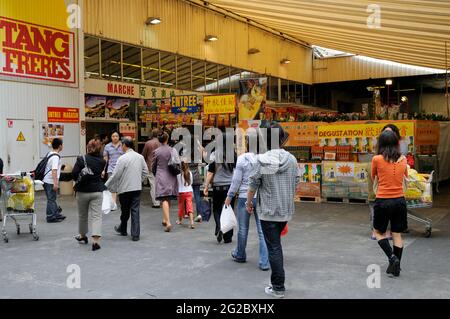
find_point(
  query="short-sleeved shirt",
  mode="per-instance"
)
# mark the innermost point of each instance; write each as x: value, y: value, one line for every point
x: 113, y: 154
x: 54, y: 162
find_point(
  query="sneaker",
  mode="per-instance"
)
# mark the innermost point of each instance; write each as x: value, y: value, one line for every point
x: 237, y: 259
x: 274, y: 293
x: 198, y: 219
x: 394, y: 266
x: 114, y: 207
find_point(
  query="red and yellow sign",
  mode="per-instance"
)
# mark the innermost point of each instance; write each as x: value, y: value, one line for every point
x: 302, y: 133
x: 219, y: 104
x: 63, y: 115
x: 35, y: 45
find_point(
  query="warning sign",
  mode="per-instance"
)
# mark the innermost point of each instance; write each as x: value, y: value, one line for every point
x: 20, y: 138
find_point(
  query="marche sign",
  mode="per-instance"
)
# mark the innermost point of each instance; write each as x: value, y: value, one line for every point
x: 20, y: 138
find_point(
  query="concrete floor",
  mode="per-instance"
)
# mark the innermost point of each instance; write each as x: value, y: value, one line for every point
x: 327, y: 252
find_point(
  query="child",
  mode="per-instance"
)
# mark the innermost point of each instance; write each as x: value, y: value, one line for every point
x: 185, y: 195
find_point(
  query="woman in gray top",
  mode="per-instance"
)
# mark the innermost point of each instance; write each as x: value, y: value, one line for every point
x: 222, y: 173
x: 165, y: 182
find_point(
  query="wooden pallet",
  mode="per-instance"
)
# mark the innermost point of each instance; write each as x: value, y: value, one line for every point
x: 343, y: 200
x: 308, y: 199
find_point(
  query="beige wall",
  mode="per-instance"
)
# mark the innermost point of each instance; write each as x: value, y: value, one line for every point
x: 183, y: 30
x: 357, y: 68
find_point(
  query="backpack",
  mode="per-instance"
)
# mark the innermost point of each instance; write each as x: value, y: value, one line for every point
x: 39, y: 173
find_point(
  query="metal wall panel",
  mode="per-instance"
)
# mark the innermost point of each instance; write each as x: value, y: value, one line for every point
x: 30, y: 101
x: 361, y: 68
x: 183, y: 30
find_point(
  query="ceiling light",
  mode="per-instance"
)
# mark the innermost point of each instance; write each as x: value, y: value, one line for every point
x: 253, y: 51
x: 153, y: 21
x: 389, y: 82
x: 211, y: 38
x: 285, y: 61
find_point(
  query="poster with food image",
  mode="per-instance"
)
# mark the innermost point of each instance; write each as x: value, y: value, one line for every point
x: 252, y: 98
x: 51, y: 131
x: 128, y: 129
x: 95, y: 107
x: 118, y: 108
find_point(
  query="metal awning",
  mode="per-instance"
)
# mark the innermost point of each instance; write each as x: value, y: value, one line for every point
x: 409, y: 31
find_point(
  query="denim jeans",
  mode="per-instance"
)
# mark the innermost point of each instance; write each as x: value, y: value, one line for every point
x: 272, y: 234
x: 52, y: 206
x: 243, y: 218
x: 197, y: 199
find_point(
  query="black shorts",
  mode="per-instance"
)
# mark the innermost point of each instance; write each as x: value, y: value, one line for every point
x: 392, y: 210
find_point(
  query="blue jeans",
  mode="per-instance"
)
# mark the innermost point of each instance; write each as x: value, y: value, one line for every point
x: 52, y: 206
x: 243, y: 218
x: 197, y: 198
x: 272, y: 234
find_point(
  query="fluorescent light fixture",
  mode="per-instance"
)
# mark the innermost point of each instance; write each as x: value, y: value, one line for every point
x: 253, y: 51
x: 153, y: 21
x: 211, y: 38
x: 285, y: 61
x: 389, y: 82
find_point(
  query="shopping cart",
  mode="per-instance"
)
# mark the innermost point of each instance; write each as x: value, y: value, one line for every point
x: 17, y: 202
x: 418, y: 201
x: 424, y: 201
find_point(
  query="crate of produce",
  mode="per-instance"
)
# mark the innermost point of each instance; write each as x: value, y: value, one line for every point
x: 419, y: 192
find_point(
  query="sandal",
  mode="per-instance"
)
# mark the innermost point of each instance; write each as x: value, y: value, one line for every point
x: 164, y: 224
x: 178, y: 222
x: 192, y: 226
x: 168, y: 229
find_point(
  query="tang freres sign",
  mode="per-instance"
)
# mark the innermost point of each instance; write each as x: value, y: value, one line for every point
x: 38, y: 52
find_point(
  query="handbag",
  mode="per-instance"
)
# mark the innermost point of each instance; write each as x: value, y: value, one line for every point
x: 404, y: 182
x: 228, y: 220
x: 174, y: 163
x: 86, y: 171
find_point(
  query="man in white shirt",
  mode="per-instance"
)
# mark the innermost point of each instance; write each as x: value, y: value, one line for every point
x: 51, y: 180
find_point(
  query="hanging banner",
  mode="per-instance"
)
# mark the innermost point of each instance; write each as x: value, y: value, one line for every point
x: 252, y: 98
x: 37, y: 44
x: 95, y: 107
x: 184, y: 104
x: 219, y: 104
x: 63, y: 115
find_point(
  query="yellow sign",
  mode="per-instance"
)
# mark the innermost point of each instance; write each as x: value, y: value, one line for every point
x: 20, y: 138
x: 362, y: 130
x: 219, y: 104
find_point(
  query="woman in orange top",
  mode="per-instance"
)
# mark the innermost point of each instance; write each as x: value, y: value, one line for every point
x: 390, y: 168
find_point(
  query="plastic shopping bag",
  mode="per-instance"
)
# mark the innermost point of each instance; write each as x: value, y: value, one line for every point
x: 227, y: 219
x: 108, y: 203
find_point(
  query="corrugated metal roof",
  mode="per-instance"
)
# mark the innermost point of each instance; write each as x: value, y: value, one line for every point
x: 410, y: 31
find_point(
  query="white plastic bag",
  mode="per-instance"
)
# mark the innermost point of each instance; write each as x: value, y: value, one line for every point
x: 108, y: 203
x: 228, y: 220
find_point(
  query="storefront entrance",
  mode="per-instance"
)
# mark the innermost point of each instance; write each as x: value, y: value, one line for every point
x: 94, y: 129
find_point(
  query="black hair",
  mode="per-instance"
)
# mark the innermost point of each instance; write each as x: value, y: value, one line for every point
x: 394, y: 128
x: 163, y: 137
x: 128, y: 142
x: 56, y: 143
x: 388, y: 146
x: 272, y: 129
x: 221, y: 155
x: 115, y: 132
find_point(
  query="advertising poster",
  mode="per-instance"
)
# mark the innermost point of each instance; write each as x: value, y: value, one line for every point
x: 252, y: 98
x: 427, y: 133
x: 51, y: 131
x: 62, y: 115
x: 95, y: 107
x: 117, y: 109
